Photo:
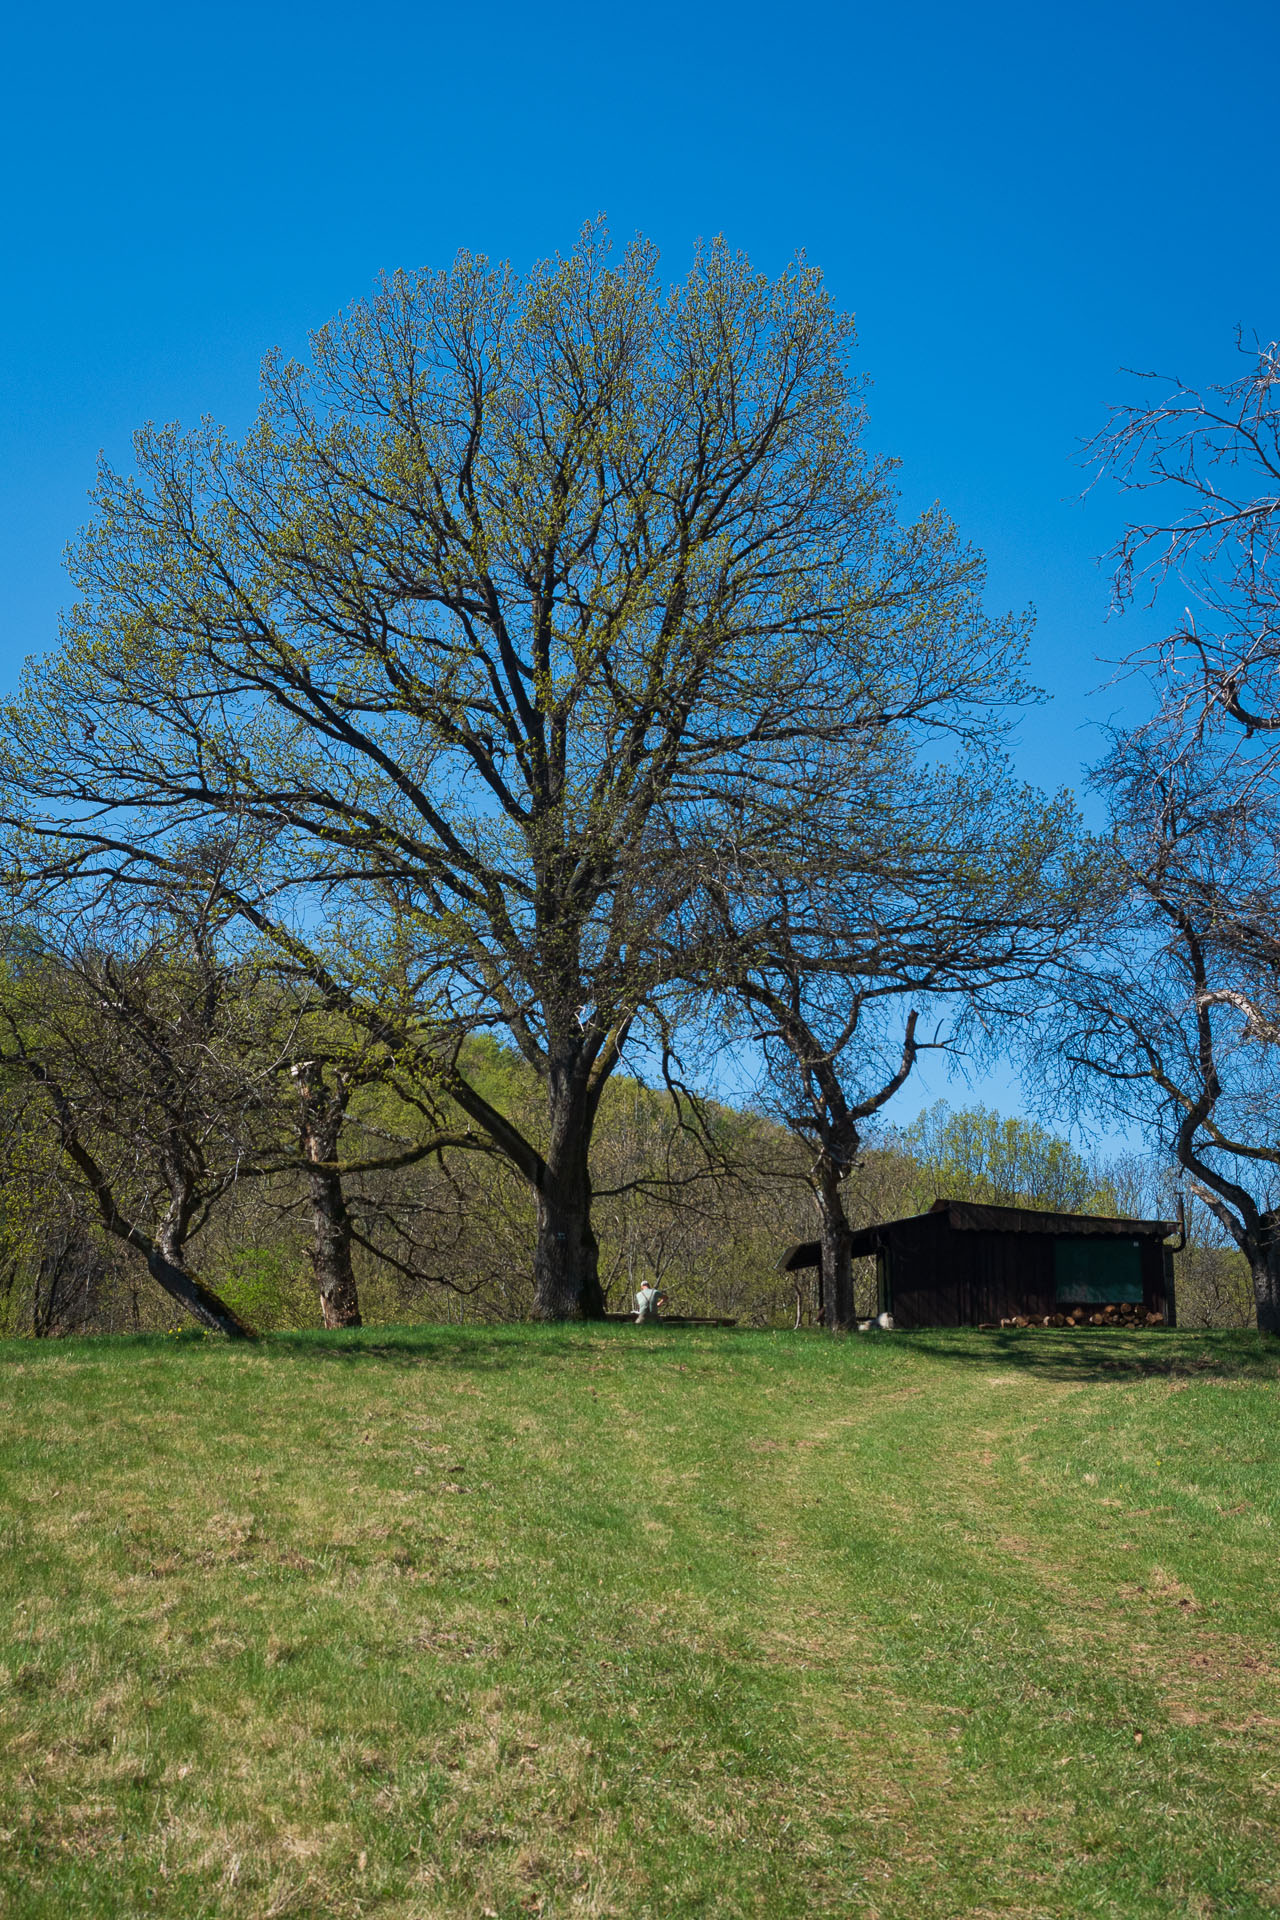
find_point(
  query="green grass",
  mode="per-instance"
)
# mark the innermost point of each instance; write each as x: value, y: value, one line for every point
x: 594, y: 1621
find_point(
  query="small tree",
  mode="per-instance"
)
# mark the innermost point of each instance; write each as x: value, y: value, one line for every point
x: 322, y: 1111
x: 155, y: 1072
x: 346, y: 1150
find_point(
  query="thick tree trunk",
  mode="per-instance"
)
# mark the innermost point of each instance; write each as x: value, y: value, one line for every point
x: 320, y: 1131
x: 331, y: 1251
x: 566, y: 1277
x: 1264, y: 1264
x: 566, y: 1268
x: 837, y: 1262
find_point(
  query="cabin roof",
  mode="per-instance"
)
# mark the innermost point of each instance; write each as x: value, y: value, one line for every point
x: 972, y: 1216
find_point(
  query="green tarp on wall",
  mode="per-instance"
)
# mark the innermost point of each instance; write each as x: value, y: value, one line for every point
x: 1096, y: 1271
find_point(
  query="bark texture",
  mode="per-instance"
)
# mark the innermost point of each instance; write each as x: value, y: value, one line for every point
x: 837, y: 1262
x: 566, y: 1260
x: 1264, y: 1264
x: 199, y: 1300
x: 323, y: 1107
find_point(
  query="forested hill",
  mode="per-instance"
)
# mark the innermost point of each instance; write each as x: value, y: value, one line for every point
x: 701, y: 1197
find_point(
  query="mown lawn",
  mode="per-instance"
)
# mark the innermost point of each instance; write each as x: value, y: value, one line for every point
x: 603, y: 1621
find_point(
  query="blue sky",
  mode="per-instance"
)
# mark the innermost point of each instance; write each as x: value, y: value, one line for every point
x: 1016, y: 202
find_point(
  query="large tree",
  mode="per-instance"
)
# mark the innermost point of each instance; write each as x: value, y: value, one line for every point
x: 511, y: 593
x: 1176, y: 1014
x: 1172, y: 1026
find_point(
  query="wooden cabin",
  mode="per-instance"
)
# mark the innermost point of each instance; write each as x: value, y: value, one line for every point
x: 963, y: 1264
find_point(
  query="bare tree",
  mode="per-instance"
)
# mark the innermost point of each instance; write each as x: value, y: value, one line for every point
x: 1182, y: 1005
x: 475, y: 631
x: 150, y: 1064
x: 1210, y: 458
x: 942, y: 885
x: 1198, y: 779
x: 1170, y: 1024
x: 176, y: 1068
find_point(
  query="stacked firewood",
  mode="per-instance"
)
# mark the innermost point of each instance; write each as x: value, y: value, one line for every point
x: 1127, y: 1315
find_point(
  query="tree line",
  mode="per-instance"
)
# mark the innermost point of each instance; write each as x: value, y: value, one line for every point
x: 454, y: 1243
x: 543, y: 713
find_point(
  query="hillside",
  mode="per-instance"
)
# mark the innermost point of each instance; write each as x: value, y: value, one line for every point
x: 582, y: 1621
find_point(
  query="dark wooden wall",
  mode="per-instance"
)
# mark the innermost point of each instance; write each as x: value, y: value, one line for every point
x: 935, y: 1275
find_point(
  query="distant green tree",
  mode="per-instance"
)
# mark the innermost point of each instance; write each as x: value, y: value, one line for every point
x: 977, y: 1154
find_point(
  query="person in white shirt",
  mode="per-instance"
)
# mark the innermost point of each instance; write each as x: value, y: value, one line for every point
x: 648, y: 1301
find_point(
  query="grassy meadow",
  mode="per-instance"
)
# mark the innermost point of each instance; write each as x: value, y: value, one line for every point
x: 649, y: 1623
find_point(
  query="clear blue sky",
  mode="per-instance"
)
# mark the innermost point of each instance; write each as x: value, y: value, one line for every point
x: 1015, y: 202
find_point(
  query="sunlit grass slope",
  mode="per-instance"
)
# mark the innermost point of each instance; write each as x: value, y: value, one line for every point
x: 603, y: 1621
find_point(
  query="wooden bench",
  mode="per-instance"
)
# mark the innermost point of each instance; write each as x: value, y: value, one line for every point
x: 674, y: 1320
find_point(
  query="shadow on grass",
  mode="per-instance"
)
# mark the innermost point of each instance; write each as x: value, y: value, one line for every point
x: 407, y: 1346
x: 1100, y: 1354
x: 479, y: 1349
x: 1087, y: 1354
x: 490, y: 1348
x: 518, y: 1343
